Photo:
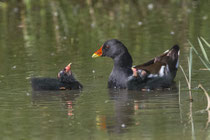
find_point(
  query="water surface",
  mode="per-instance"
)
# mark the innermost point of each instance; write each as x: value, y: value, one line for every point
x: 39, y: 38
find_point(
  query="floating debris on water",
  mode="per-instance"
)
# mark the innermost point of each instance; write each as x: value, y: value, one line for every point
x: 139, y: 23
x: 189, y: 10
x: 28, y: 78
x: 55, y: 14
x: 123, y: 125
x: 106, y: 101
x: 150, y: 6
x: 172, y: 32
x: 64, y: 37
x: 93, y: 25
x: 56, y: 27
x: 15, y: 10
x: 14, y: 67
x: 205, y: 17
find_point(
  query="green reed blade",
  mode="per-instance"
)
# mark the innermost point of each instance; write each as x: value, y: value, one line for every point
x: 196, y: 52
x: 189, y: 77
x: 203, y: 50
x: 205, y: 42
x: 190, y: 65
x: 185, y: 76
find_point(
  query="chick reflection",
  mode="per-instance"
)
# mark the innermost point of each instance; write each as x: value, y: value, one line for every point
x: 67, y: 98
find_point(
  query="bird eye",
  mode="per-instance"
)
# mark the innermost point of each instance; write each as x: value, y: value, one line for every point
x: 107, y: 47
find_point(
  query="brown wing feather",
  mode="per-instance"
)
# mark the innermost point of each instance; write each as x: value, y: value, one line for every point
x: 153, y: 66
x: 169, y: 58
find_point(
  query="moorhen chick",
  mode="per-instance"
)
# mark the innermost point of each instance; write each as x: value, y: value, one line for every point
x: 64, y: 81
x: 156, y: 73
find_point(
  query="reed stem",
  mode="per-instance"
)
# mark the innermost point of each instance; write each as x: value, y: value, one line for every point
x: 207, y: 96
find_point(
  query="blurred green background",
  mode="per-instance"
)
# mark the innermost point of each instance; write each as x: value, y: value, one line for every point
x: 40, y: 37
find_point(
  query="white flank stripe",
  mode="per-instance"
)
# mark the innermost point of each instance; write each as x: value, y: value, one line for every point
x: 161, y: 72
x: 152, y: 75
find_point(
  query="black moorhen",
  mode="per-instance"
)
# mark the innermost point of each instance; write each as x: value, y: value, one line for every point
x: 156, y: 73
x: 64, y: 81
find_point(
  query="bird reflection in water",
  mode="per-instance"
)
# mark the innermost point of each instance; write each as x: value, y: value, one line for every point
x: 47, y: 97
x: 129, y: 104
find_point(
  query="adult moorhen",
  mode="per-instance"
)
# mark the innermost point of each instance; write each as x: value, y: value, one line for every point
x: 156, y: 73
x: 64, y: 81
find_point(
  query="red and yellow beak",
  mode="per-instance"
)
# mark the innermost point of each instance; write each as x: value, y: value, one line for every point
x: 68, y: 67
x: 98, y: 53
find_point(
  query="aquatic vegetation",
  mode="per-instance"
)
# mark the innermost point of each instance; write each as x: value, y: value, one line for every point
x: 204, y: 57
x: 3, y: 4
x: 188, y: 79
x: 205, y: 60
x: 207, y: 96
x: 208, y: 105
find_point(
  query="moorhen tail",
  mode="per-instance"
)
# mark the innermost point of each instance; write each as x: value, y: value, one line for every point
x: 64, y: 81
x: 156, y: 73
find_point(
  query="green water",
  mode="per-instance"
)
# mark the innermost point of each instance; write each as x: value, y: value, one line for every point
x: 39, y: 38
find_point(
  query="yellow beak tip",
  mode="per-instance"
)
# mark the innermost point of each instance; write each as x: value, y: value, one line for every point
x: 95, y: 55
x: 69, y: 64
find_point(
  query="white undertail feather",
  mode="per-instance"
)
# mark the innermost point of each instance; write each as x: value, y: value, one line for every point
x: 166, y: 51
x: 177, y: 63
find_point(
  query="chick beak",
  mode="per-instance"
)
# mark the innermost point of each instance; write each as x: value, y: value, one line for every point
x: 68, y: 67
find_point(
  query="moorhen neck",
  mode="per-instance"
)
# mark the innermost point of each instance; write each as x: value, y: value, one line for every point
x: 157, y: 73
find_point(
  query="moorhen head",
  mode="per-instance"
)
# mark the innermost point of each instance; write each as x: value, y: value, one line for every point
x: 117, y: 51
